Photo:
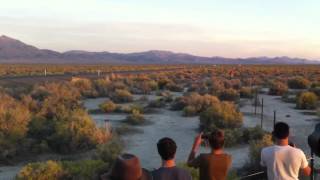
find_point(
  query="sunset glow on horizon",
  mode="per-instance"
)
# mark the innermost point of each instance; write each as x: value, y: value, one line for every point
x: 228, y: 28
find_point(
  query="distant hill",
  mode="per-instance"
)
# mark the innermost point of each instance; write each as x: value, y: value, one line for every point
x: 15, y: 51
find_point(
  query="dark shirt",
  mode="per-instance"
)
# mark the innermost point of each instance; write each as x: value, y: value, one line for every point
x: 212, y: 167
x: 171, y: 173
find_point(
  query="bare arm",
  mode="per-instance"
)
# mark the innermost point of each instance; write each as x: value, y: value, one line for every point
x: 194, y: 150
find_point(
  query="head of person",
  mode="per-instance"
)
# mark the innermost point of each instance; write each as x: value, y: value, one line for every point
x: 167, y: 148
x: 281, y: 131
x: 216, y: 139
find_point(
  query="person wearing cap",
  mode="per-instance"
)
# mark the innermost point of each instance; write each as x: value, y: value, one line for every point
x: 282, y: 160
x: 127, y: 167
x: 168, y: 170
x: 213, y: 165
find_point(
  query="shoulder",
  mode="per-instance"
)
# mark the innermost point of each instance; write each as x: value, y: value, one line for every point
x: 182, y: 171
x: 267, y: 149
x: 297, y: 151
x: 157, y: 171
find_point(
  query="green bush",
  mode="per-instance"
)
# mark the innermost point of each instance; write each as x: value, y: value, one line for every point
x: 229, y: 95
x: 14, y: 120
x: 85, y: 87
x: 52, y: 170
x: 233, y: 137
x: 189, y: 111
x: 49, y: 170
x: 121, y: 95
x: 137, y: 107
x: 102, y: 86
x: 232, y: 175
x: 307, y: 100
x: 197, y: 101
x: 253, y: 134
x: 255, y: 150
x: 84, y: 169
x: 77, y: 131
x: 159, y: 103
x: 221, y: 115
x: 298, y: 83
x: 278, y: 88
x: 135, y: 118
x: 246, y: 92
x: 109, y: 151
x: 108, y: 106
x: 194, y: 172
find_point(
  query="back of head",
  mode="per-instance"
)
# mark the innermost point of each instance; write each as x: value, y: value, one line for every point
x: 166, y: 148
x: 216, y: 139
x: 281, y: 130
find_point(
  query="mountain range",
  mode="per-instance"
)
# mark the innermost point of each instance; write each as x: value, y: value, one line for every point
x: 15, y: 51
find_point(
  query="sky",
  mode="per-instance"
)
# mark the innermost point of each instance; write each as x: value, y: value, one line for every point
x: 229, y: 28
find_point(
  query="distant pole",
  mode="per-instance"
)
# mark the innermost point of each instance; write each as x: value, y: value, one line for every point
x: 274, y: 118
x: 255, y: 102
x: 261, y: 113
x: 45, y: 72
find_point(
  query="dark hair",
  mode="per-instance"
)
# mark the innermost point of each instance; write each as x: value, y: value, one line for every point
x: 166, y: 148
x: 281, y: 130
x: 216, y: 139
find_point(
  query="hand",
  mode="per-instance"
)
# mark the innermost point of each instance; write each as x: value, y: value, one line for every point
x: 197, y: 142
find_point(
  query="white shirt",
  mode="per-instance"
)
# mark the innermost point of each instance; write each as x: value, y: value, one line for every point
x: 283, y: 162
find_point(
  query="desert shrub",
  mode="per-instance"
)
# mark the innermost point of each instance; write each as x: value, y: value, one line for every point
x: 120, y: 96
x: 174, y: 87
x: 194, y: 172
x: 189, y: 111
x: 49, y: 170
x: 61, y: 122
x: 145, y: 87
x: 255, y: 150
x: 316, y: 90
x: 14, y: 120
x: 232, y: 175
x: 78, y: 132
x: 102, y: 86
x: 135, y: 118
x: 298, y: 83
x: 159, y: 103
x: 52, y: 170
x: 307, y: 100
x: 108, y: 106
x: 162, y: 83
x: 221, y: 115
x: 246, y: 92
x: 197, y: 102
x: 85, y: 87
x: 253, y: 134
x: 216, y: 86
x: 84, y: 169
x: 233, y: 137
x: 238, y: 136
x: 278, y: 88
x: 178, y: 104
x: 137, y: 107
x: 109, y: 151
x: 229, y: 95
